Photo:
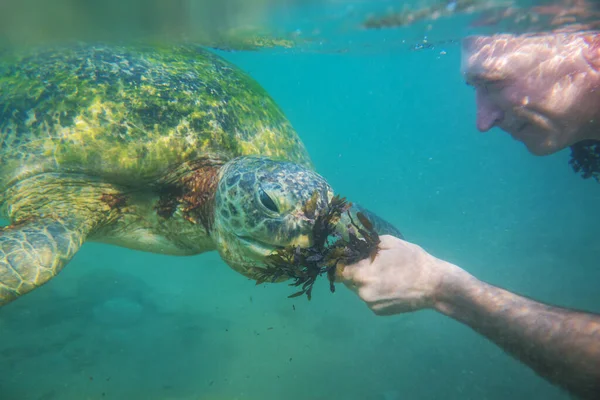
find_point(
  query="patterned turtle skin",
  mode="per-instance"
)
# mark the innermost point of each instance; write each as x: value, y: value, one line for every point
x: 166, y: 150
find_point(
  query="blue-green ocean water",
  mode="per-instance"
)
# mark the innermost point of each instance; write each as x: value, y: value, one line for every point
x: 393, y: 131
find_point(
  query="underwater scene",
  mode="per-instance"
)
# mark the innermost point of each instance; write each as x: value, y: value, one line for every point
x: 128, y: 158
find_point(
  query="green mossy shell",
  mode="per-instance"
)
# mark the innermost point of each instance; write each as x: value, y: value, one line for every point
x: 130, y: 114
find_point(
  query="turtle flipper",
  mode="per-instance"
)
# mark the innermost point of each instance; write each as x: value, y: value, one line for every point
x: 381, y: 226
x: 33, y: 252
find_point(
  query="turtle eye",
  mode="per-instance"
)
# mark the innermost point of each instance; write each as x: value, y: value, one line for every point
x: 267, y: 201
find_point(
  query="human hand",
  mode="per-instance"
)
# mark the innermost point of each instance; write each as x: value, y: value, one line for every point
x: 402, y: 278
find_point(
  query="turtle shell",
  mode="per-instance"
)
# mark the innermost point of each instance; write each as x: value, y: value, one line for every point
x: 128, y: 114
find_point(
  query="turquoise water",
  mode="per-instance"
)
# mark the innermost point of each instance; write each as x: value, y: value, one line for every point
x: 393, y: 131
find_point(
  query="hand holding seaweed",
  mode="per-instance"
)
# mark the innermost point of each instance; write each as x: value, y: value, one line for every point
x: 329, y: 248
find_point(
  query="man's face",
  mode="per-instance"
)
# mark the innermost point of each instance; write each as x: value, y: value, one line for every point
x: 543, y: 90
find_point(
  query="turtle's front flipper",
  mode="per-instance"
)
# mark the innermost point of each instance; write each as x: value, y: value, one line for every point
x: 381, y: 226
x: 33, y: 252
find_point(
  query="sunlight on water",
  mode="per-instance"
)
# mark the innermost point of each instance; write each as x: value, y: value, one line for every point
x: 329, y: 26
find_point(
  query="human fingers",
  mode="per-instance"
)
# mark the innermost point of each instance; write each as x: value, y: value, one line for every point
x: 351, y: 274
x: 388, y: 242
x: 356, y: 272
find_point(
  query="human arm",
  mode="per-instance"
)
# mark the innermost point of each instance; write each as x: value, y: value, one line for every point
x: 561, y: 345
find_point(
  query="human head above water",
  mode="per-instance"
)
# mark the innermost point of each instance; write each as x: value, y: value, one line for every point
x: 543, y: 89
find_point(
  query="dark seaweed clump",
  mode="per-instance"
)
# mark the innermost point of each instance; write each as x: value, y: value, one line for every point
x: 305, y: 265
x: 585, y: 159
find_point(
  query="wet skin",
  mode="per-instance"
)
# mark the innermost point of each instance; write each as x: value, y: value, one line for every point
x: 544, y: 90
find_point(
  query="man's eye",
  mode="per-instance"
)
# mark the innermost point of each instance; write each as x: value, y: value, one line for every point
x: 494, y: 84
x: 486, y: 84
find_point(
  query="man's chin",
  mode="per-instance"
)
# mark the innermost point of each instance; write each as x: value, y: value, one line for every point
x: 541, y: 150
x: 536, y: 144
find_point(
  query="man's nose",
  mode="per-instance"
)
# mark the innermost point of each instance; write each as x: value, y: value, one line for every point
x: 488, y: 113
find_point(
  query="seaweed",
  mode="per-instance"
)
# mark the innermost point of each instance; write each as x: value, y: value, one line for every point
x: 305, y: 265
x: 585, y: 159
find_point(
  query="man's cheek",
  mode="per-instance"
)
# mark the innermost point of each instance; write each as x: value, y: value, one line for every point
x: 518, y: 95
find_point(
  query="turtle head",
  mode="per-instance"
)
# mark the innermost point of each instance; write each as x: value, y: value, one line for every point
x: 260, y: 207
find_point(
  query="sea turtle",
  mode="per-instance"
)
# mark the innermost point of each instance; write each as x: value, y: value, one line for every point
x: 167, y: 150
